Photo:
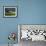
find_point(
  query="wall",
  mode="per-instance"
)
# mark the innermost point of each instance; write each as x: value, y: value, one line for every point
x: 7, y: 25
x: 32, y: 11
x: 29, y: 12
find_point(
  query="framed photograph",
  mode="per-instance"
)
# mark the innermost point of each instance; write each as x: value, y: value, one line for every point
x: 10, y: 11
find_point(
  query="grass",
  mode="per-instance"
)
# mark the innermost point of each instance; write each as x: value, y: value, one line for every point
x: 10, y: 14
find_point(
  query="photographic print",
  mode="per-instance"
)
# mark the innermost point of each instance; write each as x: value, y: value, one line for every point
x: 10, y: 11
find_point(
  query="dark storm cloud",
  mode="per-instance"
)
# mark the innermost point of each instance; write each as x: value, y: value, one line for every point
x: 9, y: 9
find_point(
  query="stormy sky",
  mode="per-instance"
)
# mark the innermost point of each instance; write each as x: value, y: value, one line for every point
x: 9, y: 9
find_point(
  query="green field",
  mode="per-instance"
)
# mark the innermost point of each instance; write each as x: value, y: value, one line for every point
x: 10, y: 14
